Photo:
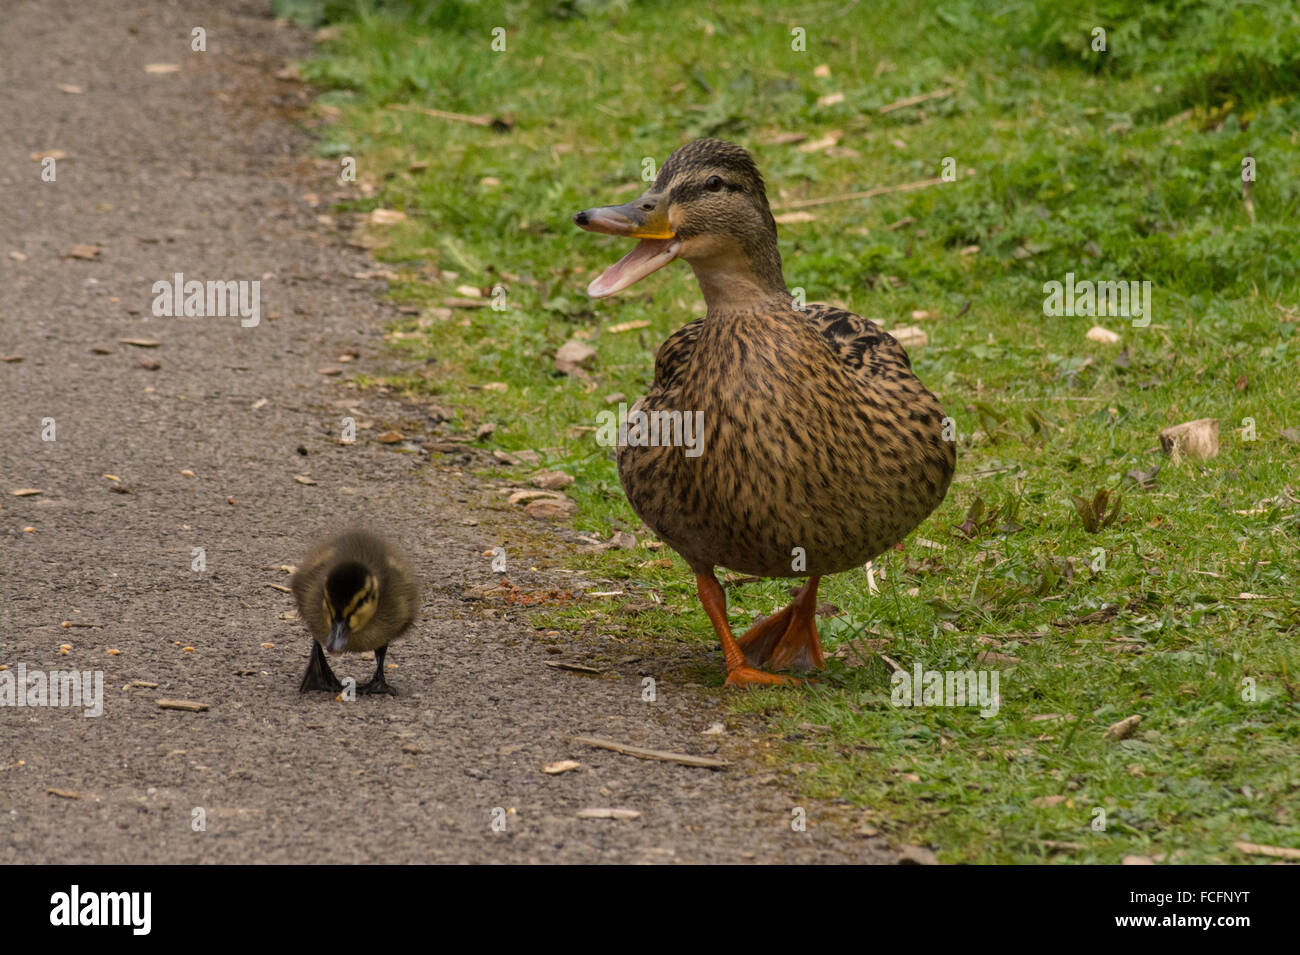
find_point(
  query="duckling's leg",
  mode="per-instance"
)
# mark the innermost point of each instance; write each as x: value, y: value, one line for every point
x: 801, y: 647
x: 739, y: 672
x: 319, y: 676
x: 377, y: 683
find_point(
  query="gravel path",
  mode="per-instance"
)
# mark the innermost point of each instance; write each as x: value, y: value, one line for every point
x: 203, y: 171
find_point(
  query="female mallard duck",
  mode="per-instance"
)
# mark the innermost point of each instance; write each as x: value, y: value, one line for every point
x: 355, y: 593
x: 818, y: 448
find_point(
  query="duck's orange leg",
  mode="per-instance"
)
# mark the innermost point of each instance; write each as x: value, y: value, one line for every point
x: 739, y: 672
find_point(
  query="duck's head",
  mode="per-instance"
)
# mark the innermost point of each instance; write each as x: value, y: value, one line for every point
x: 707, y: 206
x: 351, y: 598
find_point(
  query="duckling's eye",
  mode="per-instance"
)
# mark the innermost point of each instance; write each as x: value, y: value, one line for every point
x: 713, y: 183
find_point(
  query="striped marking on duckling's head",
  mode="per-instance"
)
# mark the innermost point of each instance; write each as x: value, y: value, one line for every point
x: 351, y: 595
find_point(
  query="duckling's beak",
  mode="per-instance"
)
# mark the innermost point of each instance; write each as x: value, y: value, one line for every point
x: 337, y: 641
x: 645, y: 219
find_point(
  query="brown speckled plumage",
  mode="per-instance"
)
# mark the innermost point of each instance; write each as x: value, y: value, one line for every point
x: 817, y: 435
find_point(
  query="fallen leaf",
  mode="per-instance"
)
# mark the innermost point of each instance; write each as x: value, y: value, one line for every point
x: 572, y: 355
x: 1198, y: 440
x: 390, y: 437
x: 910, y: 336
x: 1276, y: 852
x: 1103, y: 335
x: 386, y: 217
x: 832, y: 138
x: 518, y: 497
x: 552, y: 480
x: 1123, y: 729
x: 622, y: 540
x: 631, y: 326
x: 1144, y: 478
x: 916, y: 855
x: 785, y: 139
x: 550, y: 509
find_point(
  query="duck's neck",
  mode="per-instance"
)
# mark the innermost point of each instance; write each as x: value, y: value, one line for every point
x: 741, y: 280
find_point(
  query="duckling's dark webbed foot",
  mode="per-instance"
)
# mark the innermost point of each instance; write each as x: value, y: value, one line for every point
x: 319, y: 676
x: 377, y: 683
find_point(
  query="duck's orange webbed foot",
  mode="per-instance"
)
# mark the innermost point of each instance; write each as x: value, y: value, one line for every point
x: 750, y: 676
x: 788, y: 639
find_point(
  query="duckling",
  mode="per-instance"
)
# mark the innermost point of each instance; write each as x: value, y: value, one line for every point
x: 355, y: 593
x: 818, y: 448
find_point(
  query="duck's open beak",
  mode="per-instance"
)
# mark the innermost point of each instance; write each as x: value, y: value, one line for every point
x: 337, y: 641
x: 645, y: 219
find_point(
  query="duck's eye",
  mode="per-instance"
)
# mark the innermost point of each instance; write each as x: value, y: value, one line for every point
x: 713, y: 183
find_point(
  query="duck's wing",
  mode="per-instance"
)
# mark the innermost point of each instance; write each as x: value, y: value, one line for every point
x: 863, y: 347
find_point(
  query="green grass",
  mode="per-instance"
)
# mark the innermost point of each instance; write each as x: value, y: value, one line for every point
x: 1117, y: 165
